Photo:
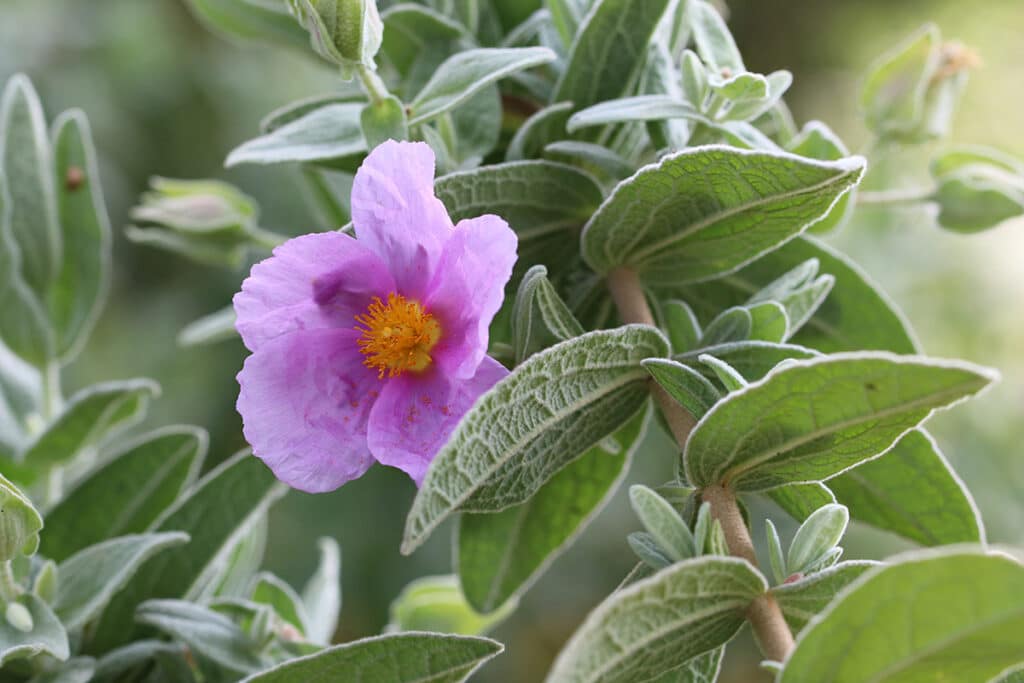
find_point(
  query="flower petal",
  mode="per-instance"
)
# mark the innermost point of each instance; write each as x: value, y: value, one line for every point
x: 468, y: 289
x: 305, y: 401
x: 315, y: 281
x: 397, y: 215
x: 416, y: 414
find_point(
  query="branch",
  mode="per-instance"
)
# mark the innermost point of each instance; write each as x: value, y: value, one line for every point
x: 764, y: 615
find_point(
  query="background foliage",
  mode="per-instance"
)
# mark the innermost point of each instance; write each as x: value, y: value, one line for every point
x: 166, y: 97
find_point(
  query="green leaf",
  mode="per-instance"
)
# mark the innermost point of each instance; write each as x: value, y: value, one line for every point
x: 90, y: 416
x: 856, y: 316
x: 273, y: 591
x: 608, y: 51
x: 894, y: 92
x: 409, y: 29
x: 537, y: 131
x: 90, y: 577
x: 539, y: 316
x: 775, y: 556
x: 751, y: 359
x: 977, y: 188
x: 124, y: 495
x: 714, y: 43
x: 799, y: 501
x: 123, y: 659
x: 209, y: 634
x: 769, y: 322
x: 384, y: 120
x: 342, y: 93
x: 645, y: 546
x: 324, y: 134
x: 955, y: 615
x: 731, y: 325
x: 547, y: 413
x: 321, y: 595
x: 249, y: 20
x: 210, y: 329
x: 395, y: 658
x: 590, y: 156
x: 231, y: 575
x: 46, y: 634
x: 913, y: 492
x: 663, y: 523
x: 219, y: 505
x: 567, y: 15
x: 729, y: 377
x: 813, y: 419
x: 476, y: 127
x: 82, y: 280
x: 681, y: 325
x: 820, y: 533
x: 77, y: 670
x: 804, y: 598
x: 700, y: 669
x: 20, y: 523
x: 705, y: 212
x: 502, y: 554
x: 817, y: 141
x: 700, y: 605
x: 465, y: 73
x: 687, y: 386
x: 25, y: 163
x: 544, y: 202
x: 632, y: 109
x: 436, y: 604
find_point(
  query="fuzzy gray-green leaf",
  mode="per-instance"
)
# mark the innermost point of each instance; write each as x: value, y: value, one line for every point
x: 700, y: 606
x: 324, y: 134
x: 810, y: 420
x: 547, y: 413
x: 707, y: 211
x: 913, y: 492
x: 953, y: 614
x: 395, y: 658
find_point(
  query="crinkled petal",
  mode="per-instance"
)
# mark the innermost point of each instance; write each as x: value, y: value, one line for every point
x: 468, y: 289
x: 305, y: 401
x: 396, y: 214
x: 315, y: 281
x: 416, y: 414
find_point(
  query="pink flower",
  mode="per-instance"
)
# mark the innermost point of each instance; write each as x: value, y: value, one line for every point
x: 371, y: 349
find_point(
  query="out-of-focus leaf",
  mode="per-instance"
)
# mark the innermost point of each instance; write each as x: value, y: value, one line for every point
x: 90, y: 577
x: 44, y: 635
x: 77, y: 294
x: 251, y: 20
x: 395, y: 658
x: 322, y: 594
x: 127, y: 493
x: 221, y: 503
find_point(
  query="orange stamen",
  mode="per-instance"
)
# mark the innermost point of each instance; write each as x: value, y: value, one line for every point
x: 397, y: 336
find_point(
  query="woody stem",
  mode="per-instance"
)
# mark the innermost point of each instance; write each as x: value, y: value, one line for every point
x: 764, y: 614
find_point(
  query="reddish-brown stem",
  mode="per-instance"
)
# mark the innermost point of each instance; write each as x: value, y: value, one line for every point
x: 770, y: 628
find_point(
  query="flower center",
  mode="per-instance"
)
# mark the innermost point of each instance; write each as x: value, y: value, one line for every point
x: 397, y: 335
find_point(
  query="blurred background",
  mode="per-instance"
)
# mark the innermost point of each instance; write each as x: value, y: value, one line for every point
x: 165, y: 97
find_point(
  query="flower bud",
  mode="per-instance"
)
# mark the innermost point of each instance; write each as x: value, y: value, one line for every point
x: 19, y: 523
x: 977, y: 188
x: 19, y: 617
x: 346, y: 32
x: 206, y: 220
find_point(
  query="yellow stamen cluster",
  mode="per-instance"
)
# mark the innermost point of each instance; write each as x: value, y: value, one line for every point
x: 397, y: 335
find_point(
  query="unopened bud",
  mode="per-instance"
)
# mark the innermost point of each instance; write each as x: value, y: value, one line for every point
x: 346, y: 32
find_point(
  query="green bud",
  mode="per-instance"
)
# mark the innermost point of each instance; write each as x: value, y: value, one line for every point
x: 45, y: 585
x: 19, y: 617
x: 346, y: 32
x: 435, y: 603
x: 19, y: 523
x: 206, y: 220
x: 911, y: 93
x: 977, y: 188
